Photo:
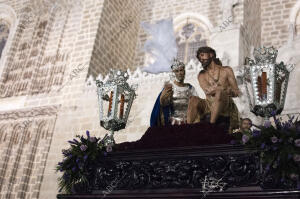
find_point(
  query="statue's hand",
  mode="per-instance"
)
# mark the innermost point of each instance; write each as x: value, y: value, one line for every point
x: 210, y: 91
x: 213, y: 89
x: 166, y: 95
x: 234, y: 93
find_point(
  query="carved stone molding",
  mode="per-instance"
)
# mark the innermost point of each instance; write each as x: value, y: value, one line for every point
x: 30, y: 68
x: 29, y: 113
x: 24, y: 148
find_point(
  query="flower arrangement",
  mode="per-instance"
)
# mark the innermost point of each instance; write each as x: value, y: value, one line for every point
x: 279, y: 146
x: 79, y: 162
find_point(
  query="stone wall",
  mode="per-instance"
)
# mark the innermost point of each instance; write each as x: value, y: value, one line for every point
x: 116, y: 37
x: 275, y: 21
x: 26, y: 137
x: 57, y: 56
x: 298, y: 24
x: 45, y: 99
x: 251, y: 30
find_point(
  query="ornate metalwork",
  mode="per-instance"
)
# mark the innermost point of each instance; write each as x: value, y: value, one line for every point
x: 179, y: 101
x: 218, y: 171
x: 177, y: 64
x: 266, y: 82
x: 235, y: 170
x: 113, y: 93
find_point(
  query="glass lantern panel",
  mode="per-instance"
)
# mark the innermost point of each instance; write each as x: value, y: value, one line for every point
x: 122, y: 106
x: 107, y: 104
x: 263, y: 78
x: 248, y: 87
x: 280, y: 85
x: 283, y: 91
x: 250, y: 91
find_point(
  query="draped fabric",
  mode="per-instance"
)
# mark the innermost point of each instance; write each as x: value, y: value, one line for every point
x: 229, y: 110
x: 160, y: 115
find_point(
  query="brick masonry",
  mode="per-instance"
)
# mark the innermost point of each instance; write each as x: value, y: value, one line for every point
x: 116, y: 37
x: 275, y: 21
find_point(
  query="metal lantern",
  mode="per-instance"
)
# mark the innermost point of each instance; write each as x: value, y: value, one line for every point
x: 266, y: 82
x: 115, y: 99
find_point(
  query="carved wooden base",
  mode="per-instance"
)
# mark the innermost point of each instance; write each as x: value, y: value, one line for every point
x: 189, y: 172
x: 188, y: 194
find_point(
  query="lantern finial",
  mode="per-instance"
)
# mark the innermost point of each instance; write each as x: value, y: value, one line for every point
x: 263, y: 55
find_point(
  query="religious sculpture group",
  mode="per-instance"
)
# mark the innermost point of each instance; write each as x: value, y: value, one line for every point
x: 178, y: 103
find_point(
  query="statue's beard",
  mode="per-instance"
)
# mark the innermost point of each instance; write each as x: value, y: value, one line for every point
x: 205, y: 64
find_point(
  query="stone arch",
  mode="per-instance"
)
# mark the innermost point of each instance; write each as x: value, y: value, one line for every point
x: 295, y: 17
x: 181, y: 19
x: 8, y: 15
x: 192, y: 31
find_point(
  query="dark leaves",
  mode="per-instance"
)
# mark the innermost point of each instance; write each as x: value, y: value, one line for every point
x: 80, y: 160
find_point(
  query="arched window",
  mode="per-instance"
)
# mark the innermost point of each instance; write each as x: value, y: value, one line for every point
x: 8, y: 23
x: 298, y: 23
x: 4, y: 33
x: 189, y: 37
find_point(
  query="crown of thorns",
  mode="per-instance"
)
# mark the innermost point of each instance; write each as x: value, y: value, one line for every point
x: 177, y: 64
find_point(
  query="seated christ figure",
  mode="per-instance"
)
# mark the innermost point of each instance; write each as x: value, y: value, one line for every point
x: 171, y: 105
x: 219, y: 85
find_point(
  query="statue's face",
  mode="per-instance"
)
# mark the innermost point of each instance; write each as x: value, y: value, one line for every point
x: 205, y: 59
x: 246, y: 125
x: 179, y: 74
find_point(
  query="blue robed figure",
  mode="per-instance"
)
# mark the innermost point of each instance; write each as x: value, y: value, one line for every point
x: 160, y: 115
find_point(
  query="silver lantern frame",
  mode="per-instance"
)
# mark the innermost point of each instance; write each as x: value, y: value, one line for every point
x: 271, y: 101
x: 116, y: 84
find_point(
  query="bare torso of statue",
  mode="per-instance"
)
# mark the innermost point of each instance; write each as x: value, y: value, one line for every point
x: 219, y: 85
x: 219, y: 78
